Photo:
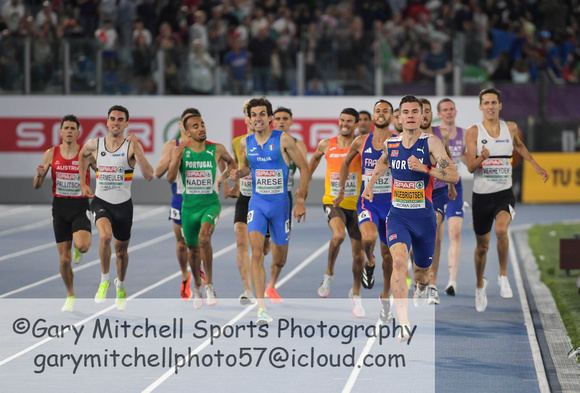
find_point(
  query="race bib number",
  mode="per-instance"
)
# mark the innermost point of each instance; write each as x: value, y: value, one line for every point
x: 175, y: 214
x: 111, y: 177
x: 497, y: 170
x: 269, y: 181
x: 350, y: 187
x: 68, y: 184
x: 382, y: 185
x: 246, y: 185
x: 409, y: 194
x: 198, y: 182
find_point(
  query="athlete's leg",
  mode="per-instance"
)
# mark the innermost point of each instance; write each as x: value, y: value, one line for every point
x: 387, y: 270
x: 437, y: 253
x: 82, y: 240
x: 279, y: 257
x: 480, y: 257
x: 258, y: 272
x: 105, y: 237
x: 243, y: 258
x: 358, y: 262
x: 454, y: 254
x: 195, y: 264
x: 207, y: 250
x: 369, y: 234
x: 338, y: 229
x: 181, y: 251
x: 121, y: 247
x: 399, y: 287
x: 64, y: 250
x: 502, y: 222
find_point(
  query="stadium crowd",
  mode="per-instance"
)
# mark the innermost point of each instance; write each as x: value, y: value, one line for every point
x: 255, y: 43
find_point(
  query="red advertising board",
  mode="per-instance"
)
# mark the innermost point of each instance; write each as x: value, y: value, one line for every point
x: 309, y: 131
x: 25, y: 134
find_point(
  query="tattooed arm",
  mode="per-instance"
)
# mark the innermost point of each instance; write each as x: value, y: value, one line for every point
x: 446, y: 171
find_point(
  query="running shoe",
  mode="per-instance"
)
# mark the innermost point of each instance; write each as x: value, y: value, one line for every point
x: 433, y: 297
x: 273, y: 295
x: 386, y: 313
x: 505, y: 290
x: 357, y: 306
x: 368, y: 277
x: 101, y: 295
x: 247, y: 297
x: 197, y: 298
x: 121, y: 300
x: 480, y: 297
x: 186, y: 288
x: 324, y: 288
x: 210, y: 295
x: 263, y: 318
x: 450, y: 288
x: 420, y: 297
x: 404, y: 333
x: 68, y: 304
x: 77, y: 256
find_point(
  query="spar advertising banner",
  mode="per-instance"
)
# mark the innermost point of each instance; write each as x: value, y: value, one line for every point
x: 29, y: 125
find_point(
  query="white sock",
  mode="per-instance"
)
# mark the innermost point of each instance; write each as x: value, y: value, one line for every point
x: 104, y: 277
x: 120, y: 284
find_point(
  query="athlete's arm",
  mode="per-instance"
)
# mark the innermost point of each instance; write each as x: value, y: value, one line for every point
x: 317, y: 156
x: 473, y: 160
x: 523, y: 151
x: 43, y: 168
x: 288, y: 145
x: 378, y: 172
x: 224, y: 158
x: 163, y: 164
x: 355, y: 149
x: 452, y: 192
x: 175, y: 162
x: 136, y: 151
x: 446, y: 171
x: 244, y: 169
x: 86, y: 158
x: 235, y: 190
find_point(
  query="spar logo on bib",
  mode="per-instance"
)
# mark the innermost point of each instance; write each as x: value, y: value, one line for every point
x: 409, y: 194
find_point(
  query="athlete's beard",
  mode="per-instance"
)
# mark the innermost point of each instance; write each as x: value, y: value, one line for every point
x: 426, y: 127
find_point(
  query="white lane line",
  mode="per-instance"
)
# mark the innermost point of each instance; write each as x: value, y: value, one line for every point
x: 98, y: 261
x: 359, y: 362
x: 52, y: 244
x: 26, y: 227
x: 534, y: 346
x: 93, y: 316
x: 10, y: 211
x: 199, y: 348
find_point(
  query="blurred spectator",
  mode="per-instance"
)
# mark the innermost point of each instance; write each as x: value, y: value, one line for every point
x: 168, y: 13
x: 198, y: 31
x: 503, y: 68
x: 520, y: 71
x: 259, y: 21
x: 413, y: 9
x: 436, y: 62
x: 200, y: 69
x: 243, y: 29
x: 12, y: 12
x: 141, y: 32
x: 46, y: 14
x: 27, y: 28
x: 10, y: 59
x: 143, y: 56
x: 372, y: 10
x: 217, y: 29
x: 148, y: 14
x: 108, y: 11
x: 42, y: 57
x: 241, y: 9
x: 167, y: 42
x: 88, y: 16
x: 107, y: 36
x: 286, y: 30
x: 236, y: 67
x: 360, y: 45
x: 385, y: 59
x: 261, y: 49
